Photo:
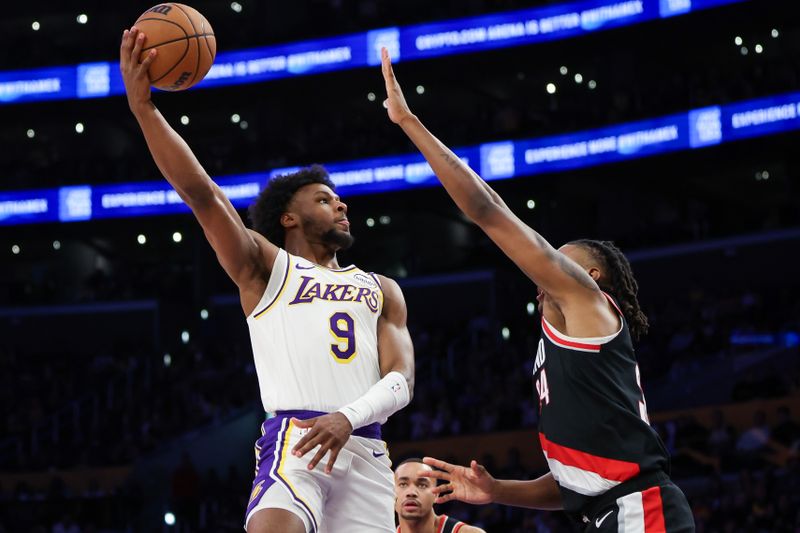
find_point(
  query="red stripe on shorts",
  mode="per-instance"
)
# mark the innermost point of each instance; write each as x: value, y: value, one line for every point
x: 653, y: 511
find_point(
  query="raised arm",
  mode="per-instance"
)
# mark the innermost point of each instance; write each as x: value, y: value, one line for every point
x: 245, y: 255
x: 476, y: 485
x: 563, y: 279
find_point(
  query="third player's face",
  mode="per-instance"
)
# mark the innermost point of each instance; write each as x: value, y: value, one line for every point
x: 413, y: 492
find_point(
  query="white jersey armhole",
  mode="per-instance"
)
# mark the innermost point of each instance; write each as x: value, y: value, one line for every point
x: 278, y: 277
x: 589, y: 340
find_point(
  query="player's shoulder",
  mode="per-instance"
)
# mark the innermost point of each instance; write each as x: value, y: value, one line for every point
x: 390, y: 287
x: 466, y: 528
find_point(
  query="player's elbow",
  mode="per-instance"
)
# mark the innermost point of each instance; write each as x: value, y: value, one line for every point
x: 199, y: 191
x: 486, y: 212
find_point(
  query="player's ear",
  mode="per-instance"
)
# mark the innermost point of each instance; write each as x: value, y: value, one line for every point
x: 595, y: 273
x: 288, y: 220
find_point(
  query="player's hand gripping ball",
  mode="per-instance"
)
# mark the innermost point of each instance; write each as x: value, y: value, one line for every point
x: 185, y: 45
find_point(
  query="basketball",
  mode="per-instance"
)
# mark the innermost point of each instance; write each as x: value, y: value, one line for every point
x: 185, y: 42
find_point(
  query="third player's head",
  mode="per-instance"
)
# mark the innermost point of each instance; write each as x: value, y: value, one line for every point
x: 612, y: 272
x: 413, y: 491
x: 302, y: 205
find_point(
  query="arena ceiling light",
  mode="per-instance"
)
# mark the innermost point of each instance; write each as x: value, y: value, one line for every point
x: 141, y: 239
x: 592, y: 84
x: 30, y: 133
x: 551, y: 88
x: 177, y: 237
x: 185, y: 120
x: 578, y: 78
x: 35, y: 25
x: 235, y: 118
x: 82, y: 18
x: 79, y: 127
x: 236, y: 7
x: 56, y: 245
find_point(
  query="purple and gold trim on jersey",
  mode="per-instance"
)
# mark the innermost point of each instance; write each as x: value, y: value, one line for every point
x: 278, y: 294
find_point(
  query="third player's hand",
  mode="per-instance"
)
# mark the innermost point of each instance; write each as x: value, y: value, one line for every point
x: 471, y: 485
x: 330, y: 432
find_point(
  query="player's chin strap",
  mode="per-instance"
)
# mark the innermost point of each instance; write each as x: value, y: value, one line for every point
x: 386, y: 397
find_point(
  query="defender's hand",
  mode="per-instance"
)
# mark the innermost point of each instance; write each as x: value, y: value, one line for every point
x: 395, y: 102
x: 471, y: 485
x: 329, y: 431
x: 134, y: 73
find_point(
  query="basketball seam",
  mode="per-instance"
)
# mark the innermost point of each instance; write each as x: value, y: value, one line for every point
x: 185, y: 37
x: 176, y: 63
x: 197, y: 40
x: 178, y: 39
x: 213, y: 54
x: 205, y: 38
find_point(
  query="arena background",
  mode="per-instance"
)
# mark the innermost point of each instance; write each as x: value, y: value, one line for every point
x: 129, y: 399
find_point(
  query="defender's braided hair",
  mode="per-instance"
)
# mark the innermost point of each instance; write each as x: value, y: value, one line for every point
x: 618, y: 281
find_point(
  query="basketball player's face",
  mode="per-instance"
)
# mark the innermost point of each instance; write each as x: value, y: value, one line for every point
x: 323, y: 216
x: 413, y: 493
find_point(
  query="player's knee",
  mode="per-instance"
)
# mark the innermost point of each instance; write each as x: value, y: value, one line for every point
x: 275, y: 521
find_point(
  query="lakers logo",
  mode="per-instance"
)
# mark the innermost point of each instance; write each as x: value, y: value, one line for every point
x: 256, y: 492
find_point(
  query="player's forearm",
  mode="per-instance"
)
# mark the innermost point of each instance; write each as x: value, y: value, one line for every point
x: 173, y: 156
x: 472, y: 195
x: 541, y: 493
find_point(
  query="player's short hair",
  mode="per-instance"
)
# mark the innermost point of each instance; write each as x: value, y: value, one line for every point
x: 271, y: 203
x: 409, y: 460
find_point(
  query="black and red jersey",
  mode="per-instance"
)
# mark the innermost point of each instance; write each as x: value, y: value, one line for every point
x: 593, y: 424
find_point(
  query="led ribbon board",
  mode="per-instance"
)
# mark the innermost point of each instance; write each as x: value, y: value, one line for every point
x: 420, y: 41
x: 694, y: 129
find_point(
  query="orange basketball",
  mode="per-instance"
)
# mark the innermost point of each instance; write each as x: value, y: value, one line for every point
x: 185, y: 42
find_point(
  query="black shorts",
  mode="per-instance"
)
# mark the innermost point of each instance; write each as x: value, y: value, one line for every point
x: 658, y: 509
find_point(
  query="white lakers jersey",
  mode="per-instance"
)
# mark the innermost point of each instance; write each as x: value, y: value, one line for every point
x: 315, y: 335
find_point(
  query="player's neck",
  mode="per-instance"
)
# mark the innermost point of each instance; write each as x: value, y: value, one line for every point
x: 318, y: 253
x: 423, y: 525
